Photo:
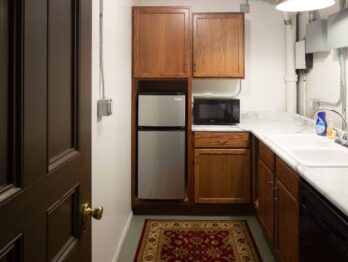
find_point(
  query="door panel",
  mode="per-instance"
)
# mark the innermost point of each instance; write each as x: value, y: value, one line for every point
x: 161, y: 110
x: 4, y: 89
x: 13, y: 250
x: 161, y: 164
x: 161, y: 42
x: 34, y: 77
x: 49, y: 85
x: 222, y: 176
x: 62, y: 226
x: 218, y: 45
x: 287, y: 224
x: 266, y: 201
x: 61, y: 85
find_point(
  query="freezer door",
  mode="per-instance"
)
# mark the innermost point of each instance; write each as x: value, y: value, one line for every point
x: 161, y: 110
x: 161, y: 165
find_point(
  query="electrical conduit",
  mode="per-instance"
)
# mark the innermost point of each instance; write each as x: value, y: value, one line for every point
x: 291, y: 76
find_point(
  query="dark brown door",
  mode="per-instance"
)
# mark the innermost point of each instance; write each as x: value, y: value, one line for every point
x: 45, y: 125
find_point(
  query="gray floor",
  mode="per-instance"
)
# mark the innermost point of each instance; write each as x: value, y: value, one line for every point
x: 133, y: 235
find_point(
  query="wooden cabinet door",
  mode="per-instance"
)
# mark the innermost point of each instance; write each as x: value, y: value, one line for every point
x: 266, y: 200
x: 222, y: 176
x: 218, y: 45
x: 287, y: 224
x: 161, y: 42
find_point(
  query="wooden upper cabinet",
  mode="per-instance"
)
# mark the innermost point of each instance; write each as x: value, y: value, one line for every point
x: 161, y: 42
x: 218, y: 45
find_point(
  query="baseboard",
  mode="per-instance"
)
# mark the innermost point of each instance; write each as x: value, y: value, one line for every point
x: 123, y: 237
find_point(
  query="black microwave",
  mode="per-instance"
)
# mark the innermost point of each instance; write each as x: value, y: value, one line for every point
x: 216, y: 111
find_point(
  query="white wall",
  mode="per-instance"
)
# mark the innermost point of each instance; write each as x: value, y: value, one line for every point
x: 323, y: 80
x: 263, y: 90
x: 111, y: 136
x: 263, y: 87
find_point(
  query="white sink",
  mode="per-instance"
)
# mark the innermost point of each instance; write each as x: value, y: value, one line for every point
x: 311, y: 150
x: 321, y: 157
x: 300, y: 140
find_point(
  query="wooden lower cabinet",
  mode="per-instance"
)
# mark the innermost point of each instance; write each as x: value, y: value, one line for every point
x: 287, y: 212
x: 278, y: 210
x: 222, y: 176
x: 266, y: 200
x: 287, y: 224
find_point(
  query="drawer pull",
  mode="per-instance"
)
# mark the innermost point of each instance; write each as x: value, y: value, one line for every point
x: 222, y: 140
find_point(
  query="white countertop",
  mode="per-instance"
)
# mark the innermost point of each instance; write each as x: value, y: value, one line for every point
x: 332, y: 183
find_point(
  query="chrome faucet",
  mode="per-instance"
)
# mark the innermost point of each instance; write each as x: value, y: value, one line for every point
x: 341, y: 136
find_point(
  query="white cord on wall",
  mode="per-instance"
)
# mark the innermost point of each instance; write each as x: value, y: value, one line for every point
x: 104, y: 105
x: 101, y: 60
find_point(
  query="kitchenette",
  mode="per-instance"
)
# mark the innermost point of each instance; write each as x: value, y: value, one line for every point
x: 202, y: 154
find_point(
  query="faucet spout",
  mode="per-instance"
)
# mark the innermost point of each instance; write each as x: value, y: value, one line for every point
x: 337, y: 113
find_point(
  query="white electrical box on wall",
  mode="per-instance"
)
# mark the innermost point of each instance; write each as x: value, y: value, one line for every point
x: 338, y: 29
x: 300, y: 59
x: 316, y: 37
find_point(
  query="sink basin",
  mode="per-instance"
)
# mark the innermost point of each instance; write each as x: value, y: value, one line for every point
x: 321, y: 157
x: 311, y: 150
x: 300, y: 140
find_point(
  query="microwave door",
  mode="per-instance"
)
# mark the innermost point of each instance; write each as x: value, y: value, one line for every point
x: 216, y: 111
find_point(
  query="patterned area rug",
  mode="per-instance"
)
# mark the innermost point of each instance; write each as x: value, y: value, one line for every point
x: 196, y: 241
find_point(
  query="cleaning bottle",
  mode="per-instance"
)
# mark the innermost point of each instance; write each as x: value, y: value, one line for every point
x: 331, y: 134
x: 321, y: 124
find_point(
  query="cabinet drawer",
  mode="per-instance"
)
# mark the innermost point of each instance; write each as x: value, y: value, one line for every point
x: 267, y: 156
x: 288, y: 177
x: 221, y: 139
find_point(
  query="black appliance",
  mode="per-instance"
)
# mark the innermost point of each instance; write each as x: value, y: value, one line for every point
x: 323, y: 228
x: 216, y: 111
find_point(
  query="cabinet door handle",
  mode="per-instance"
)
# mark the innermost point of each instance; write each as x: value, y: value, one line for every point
x: 275, y: 193
x: 222, y: 140
x: 194, y: 67
x: 196, y: 159
x: 271, y: 190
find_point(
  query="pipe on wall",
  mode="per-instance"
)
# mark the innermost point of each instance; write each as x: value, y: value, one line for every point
x: 291, y: 76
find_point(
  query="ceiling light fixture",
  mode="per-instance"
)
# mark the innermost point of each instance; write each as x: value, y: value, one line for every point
x: 303, y: 5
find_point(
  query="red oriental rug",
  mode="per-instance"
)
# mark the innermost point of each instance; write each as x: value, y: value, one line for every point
x: 196, y: 241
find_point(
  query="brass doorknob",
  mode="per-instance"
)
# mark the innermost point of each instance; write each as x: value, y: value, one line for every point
x: 88, y: 212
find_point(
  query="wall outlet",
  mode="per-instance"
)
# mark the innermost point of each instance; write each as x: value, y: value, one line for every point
x: 104, y: 107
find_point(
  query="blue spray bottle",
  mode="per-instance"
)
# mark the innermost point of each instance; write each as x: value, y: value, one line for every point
x: 321, y: 124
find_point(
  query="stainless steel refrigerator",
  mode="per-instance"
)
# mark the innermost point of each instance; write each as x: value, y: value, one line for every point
x: 161, y: 146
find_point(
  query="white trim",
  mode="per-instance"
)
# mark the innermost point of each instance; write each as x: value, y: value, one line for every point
x: 123, y: 237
